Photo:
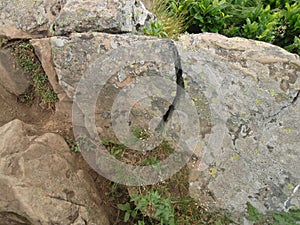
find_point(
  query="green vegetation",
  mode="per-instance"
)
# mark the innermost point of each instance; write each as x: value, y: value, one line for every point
x: 165, y: 203
x: 73, y: 144
x: 151, y: 203
x: 283, y: 218
x: 172, y: 19
x: 169, y: 203
x: 275, y: 21
x: 26, y: 60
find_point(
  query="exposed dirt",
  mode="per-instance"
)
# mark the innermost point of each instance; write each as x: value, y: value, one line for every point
x: 11, y: 109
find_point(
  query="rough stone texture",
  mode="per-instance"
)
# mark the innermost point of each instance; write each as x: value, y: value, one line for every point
x: 70, y: 64
x: 113, y: 16
x: 246, y: 94
x: 39, y: 182
x: 50, y: 17
x: 27, y: 19
x: 247, y: 98
x: 12, y: 79
x: 44, y: 53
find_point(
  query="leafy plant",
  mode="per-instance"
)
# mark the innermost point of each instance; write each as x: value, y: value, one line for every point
x: 115, y: 149
x: 73, y: 145
x: 209, y: 15
x: 152, y: 204
x: 48, y: 96
x: 275, y: 21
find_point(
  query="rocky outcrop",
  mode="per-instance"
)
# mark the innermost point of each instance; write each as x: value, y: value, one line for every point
x: 236, y: 107
x: 246, y: 95
x: 250, y: 149
x: 40, y: 182
x: 36, y: 19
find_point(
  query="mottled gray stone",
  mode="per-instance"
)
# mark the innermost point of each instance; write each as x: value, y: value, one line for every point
x: 27, y: 19
x: 250, y: 147
x: 246, y: 95
x: 42, y: 18
x: 113, y: 16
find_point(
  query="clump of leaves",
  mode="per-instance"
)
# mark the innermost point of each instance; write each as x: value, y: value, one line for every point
x: 275, y: 21
x: 152, y: 203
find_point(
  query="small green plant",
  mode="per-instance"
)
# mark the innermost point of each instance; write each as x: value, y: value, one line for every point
x: 140, y: 133
x: 26, y: 98
x: 152, y: 204
x: 150, y: 161
x: 155, y: 29
x: 115, y: 149
x: 73, y: 145
x: 48, y: 96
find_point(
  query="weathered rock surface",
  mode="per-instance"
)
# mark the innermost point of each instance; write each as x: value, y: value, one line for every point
x: 246, y: 95
x: 101, y: 16
x: 50, y: 17
x: 250, y: 151
x: 43, y: 51
x: 40, y: 183
x: 12, y: 79
x: 27, y: 19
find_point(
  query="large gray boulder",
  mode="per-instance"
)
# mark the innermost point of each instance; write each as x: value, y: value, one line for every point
x: 36, y: 19
x: 40, y: 182
x: 250, y: 135
x: 246, y: 96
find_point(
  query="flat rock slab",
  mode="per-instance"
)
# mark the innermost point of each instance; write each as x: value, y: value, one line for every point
x: 36, y: 19
x: 40, y: 182
x: 245, y: 94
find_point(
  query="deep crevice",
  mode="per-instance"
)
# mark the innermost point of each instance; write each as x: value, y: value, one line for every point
x: 179, y: 85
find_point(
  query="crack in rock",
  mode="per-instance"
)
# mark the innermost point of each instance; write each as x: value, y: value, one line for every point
x: 179, y: 89
x: 291, y: 102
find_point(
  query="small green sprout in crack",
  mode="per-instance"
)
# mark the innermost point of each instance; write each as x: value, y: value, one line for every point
x: 73, y: 145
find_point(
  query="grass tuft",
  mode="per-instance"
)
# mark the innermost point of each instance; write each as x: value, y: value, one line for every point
x: 171, y: 20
